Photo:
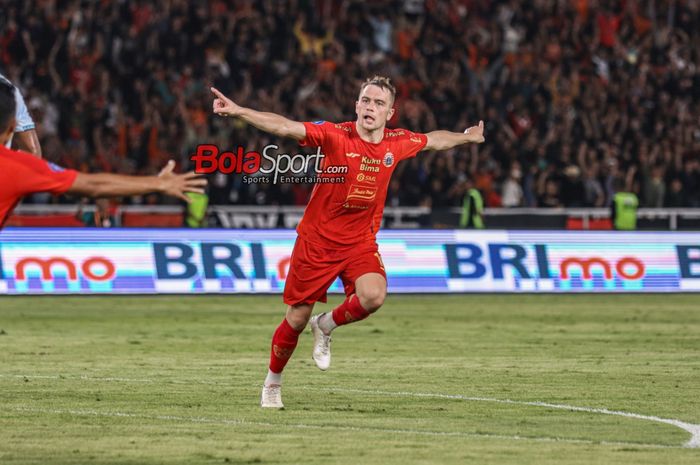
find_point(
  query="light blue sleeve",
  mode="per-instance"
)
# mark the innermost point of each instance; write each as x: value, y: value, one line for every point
x: 24, y: 119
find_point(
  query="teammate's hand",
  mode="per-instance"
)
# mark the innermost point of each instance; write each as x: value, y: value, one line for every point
x: 223, y: 105
x: 476, y: 133
x: 177, y: 185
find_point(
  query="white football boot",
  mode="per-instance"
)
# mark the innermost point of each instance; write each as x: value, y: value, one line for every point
x: 272, y: 396
x: 322, y: 345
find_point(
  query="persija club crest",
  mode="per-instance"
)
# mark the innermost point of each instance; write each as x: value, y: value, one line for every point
x: 388, y: 159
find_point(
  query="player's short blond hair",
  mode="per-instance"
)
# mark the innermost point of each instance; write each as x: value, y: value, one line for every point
x: 382, y: 82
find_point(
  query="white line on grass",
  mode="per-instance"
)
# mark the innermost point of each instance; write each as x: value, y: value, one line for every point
x: 365, y: 429
x: 691, y: 428
x: 82, y: 377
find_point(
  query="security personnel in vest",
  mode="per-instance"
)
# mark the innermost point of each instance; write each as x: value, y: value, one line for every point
x: 472, y: 208
x: 196, y: 210
x: 624, y: 207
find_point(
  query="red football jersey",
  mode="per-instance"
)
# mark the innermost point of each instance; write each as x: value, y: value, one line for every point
x: 22, y: 173
x: 350, y: 212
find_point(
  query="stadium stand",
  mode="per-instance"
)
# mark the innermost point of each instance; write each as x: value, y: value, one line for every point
x: 575, y: 94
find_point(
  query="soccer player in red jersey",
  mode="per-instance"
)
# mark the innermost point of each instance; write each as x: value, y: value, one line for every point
x: 22, y: 174
x: 336, y: 236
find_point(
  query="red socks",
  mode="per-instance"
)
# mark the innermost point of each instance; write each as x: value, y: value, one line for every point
x: 349, y: 311
x: 284, y: 341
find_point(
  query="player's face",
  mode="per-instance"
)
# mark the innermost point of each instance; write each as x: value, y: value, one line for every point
x: 374, y: 108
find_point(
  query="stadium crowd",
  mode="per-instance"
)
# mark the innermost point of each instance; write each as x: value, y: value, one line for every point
x: 575, y: 93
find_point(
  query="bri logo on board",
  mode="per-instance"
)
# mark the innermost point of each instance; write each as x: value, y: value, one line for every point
x: 470, y: 261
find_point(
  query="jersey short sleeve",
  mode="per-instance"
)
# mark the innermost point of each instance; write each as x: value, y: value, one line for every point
x: 37, y: 175
x: 411, y: 144
x: 316, y: 133
x: 22, y: 173
x: 24, y: 119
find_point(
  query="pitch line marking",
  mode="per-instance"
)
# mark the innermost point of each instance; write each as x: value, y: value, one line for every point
x: 242, y: 422
x: 691, y: 428
x: 80, y: 377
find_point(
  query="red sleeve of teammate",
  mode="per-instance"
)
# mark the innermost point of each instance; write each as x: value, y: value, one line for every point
x: 36, y: 175
x: 410, y: 144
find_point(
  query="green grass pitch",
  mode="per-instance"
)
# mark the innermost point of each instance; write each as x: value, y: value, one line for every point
x: 176, y: 380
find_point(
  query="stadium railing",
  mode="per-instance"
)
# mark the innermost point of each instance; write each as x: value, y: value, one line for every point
x: 265, y: 217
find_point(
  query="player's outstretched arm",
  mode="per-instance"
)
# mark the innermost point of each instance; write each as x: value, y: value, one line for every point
x: 443, y: 140
x: 115, y: 185
x: 268, y: 122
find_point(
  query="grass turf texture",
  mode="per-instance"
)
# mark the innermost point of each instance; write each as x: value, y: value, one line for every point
x: 150, y: 380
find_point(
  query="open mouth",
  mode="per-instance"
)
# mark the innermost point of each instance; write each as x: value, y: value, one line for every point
x: 368, y: 119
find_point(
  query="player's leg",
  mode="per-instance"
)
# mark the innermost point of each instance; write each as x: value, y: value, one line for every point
x: 370, y: 290
x: 364, y: 278
x: 368, y: 296
x: 365, y: 287
x: 284, y: 341
x: 307, y: 281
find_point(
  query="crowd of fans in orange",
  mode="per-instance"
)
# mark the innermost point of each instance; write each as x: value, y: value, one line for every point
x: 575, y: 94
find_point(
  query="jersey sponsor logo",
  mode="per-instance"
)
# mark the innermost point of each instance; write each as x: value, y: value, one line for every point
x: 366, y: 177
x: 395, y: 133
x: 388, y: 159
x: 355, y: 206
x: 362, y: 192
x: 319, y: 122
x: 344, y: 128
x: 352, y: 155
x: 370, y: 164
x: 55, y: 168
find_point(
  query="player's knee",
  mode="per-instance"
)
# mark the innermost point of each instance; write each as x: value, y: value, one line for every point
x: 372, y: 298
x: 298, y: 322
x: 298, y: 317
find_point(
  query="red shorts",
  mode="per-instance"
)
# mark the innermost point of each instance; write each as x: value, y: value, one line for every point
x: 313, y: 268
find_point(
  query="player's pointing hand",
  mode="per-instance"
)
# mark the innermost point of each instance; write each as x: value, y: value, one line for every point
x: 476, y: 133
x: 223, y: 105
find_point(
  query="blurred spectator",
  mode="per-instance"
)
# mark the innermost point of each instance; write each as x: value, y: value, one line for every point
x: 576, y: 93
x: 512, y: 192
x: 101, y: 217
x: 572, y: 191
x: 674, y: 196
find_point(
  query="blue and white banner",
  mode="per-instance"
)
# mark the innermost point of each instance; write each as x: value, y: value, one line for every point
x: 144, y: 261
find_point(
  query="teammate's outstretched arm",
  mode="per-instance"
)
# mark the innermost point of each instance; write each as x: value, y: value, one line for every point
x: 444, y: 140
x: 115, y: 185
x: 268, y: 122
